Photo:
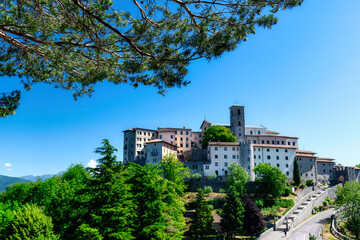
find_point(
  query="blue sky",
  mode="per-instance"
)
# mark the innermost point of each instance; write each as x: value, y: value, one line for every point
x: 300, y: 78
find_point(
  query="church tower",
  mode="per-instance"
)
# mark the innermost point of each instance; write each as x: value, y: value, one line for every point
x: 237, y: 122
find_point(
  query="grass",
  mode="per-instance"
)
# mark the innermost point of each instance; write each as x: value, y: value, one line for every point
x: 325, y: 231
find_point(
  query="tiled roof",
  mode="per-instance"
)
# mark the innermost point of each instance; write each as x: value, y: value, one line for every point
x: 205, y: 121
x: 328, y: 160
x: 357, y: 168
x: 160, y: 141
x: 305, y: 151
x: 221, y: 124
x: 224, y: 144
x: 271, y: 132
x: 276, y: 136
x: 172, y: 129
x: 273, y: 146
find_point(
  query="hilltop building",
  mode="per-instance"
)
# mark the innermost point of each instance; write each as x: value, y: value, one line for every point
x: 255, y: 144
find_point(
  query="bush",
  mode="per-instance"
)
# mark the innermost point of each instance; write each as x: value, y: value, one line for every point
x: 309, y: 182
x: 292, y: 183
x: 321, y: 208
x: 325, y: 203
x: 270, y: 211
x: 316, y: 209
x: 302, y: 186
x: 212, y: 176
x: 208, y: 189
x: 287, y: 191
x: 218, y: 212
x: 221, y: 190
x: 196, y: 176
x: 284, y: 203
x: 259, y: 203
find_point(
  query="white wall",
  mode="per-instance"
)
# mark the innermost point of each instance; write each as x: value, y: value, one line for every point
x: 222, y: 162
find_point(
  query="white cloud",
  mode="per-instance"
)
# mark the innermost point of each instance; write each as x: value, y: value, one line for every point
x: 9, y: 169
x: 8, y: 165
x: 91, y: 164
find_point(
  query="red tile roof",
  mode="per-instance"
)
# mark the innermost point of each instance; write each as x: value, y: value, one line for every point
x: 305, y: 155
x: 271, y: 132
x: 305, y: 151
x: 160, y: 141
x: 329, y: 160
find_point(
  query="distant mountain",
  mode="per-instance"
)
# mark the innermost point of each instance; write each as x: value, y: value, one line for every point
x: 5, y: 181
x: 33, y: 178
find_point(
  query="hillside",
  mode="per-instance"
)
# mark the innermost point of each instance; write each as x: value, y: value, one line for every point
x: 33, y: 178
x: 5, y: 180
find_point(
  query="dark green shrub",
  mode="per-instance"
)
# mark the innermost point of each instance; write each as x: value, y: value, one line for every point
x: 284, y: 203
x: 292, y: 183
x: 287, y: 191
x: 325, y: 203
x: 259, y: 203
x: 221, y: 190
x: 302, y: 186
x: 208, y: 189
x: 321, y: 208
x: 309, y: 182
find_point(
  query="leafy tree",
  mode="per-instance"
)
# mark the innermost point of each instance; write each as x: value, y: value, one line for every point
x: 158, y: 208
x: 358, y: 165
x: 254, y: 223
x: 233, y: 213
x: 108, y: 205
x: 9, y: 103
x: 349, y: 197
x: 296, y: 173
x: 273, y: 181
x: 175, y: 171
x: 202, y: 220
x: 217, y: 133
x: 73, y: 44
x: 29, y: 222
x: 238, y: 178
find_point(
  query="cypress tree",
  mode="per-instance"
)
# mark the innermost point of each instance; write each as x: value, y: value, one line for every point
x: 254, y: 223
x: 296, y: 173
x: 202, y: 220
x: 233, y: 213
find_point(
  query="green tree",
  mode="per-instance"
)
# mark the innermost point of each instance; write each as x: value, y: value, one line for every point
x: 202, y: 220
x: 108, y: 205
x: 73, y: 44
x: 296, y: 173
x: 29, y: 222
x: 349, y: 197
x: 233, y: 213
x: 358, y: 165
x: 217, y: 133
x: 238, y: 178
x: 273, y: 181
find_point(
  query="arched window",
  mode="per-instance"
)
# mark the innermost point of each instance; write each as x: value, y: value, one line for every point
x: 238, y: 111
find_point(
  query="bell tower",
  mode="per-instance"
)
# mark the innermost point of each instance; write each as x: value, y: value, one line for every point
x: 237, y: 122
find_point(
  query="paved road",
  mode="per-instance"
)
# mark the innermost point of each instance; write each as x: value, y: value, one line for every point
x: 312, y: 225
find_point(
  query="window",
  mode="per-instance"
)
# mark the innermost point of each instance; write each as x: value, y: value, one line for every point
x: 288, y: 143
x: 254, y: 141
x: 254, y: 156
x: 187, y: 139
x: 254, y: 149
x: 251, y: 132
x: 268, y: 142
x: 217, y: 172
x: 239, y: 123
x: 181, y: 145
x: 237, y: 156
x: 293, y: 143
x: 172, y: 142
x: 233, y: 157
x: 262, y: 141
x: 268, y: 157
x: 175, y: 139
x: 181, y: 132
x: 286, y: 158
x: 259, y: 157
x: 216, y: 156
x: 273, y: 142
x: 233, y: 148
x: 225, y: 148
x: 259, y: 132
x: 225, y: 164
x: 324, y: 170
x: 277, y: 157
x: 277, y: 150
x: 285, y: 150
x: 287, y: 173
x: 160, y: 136
x: 287, y: 165
x: 238, y: 111
x: 268, y: 150
x: 172, y: 136
x: 225, y: 156
x: 278, y: 165
x: 187, y: 133
x: 216, y: 164
x: 330, y: 171
x: 216, y: 148
x: 206, y: 166
x: 154, y: 159
x: 187, y: 145
x: 282, y: 142
x: 278, y: 142
x: 175, y: 132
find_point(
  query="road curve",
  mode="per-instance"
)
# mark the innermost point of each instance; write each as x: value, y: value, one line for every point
x: 312, y: 225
